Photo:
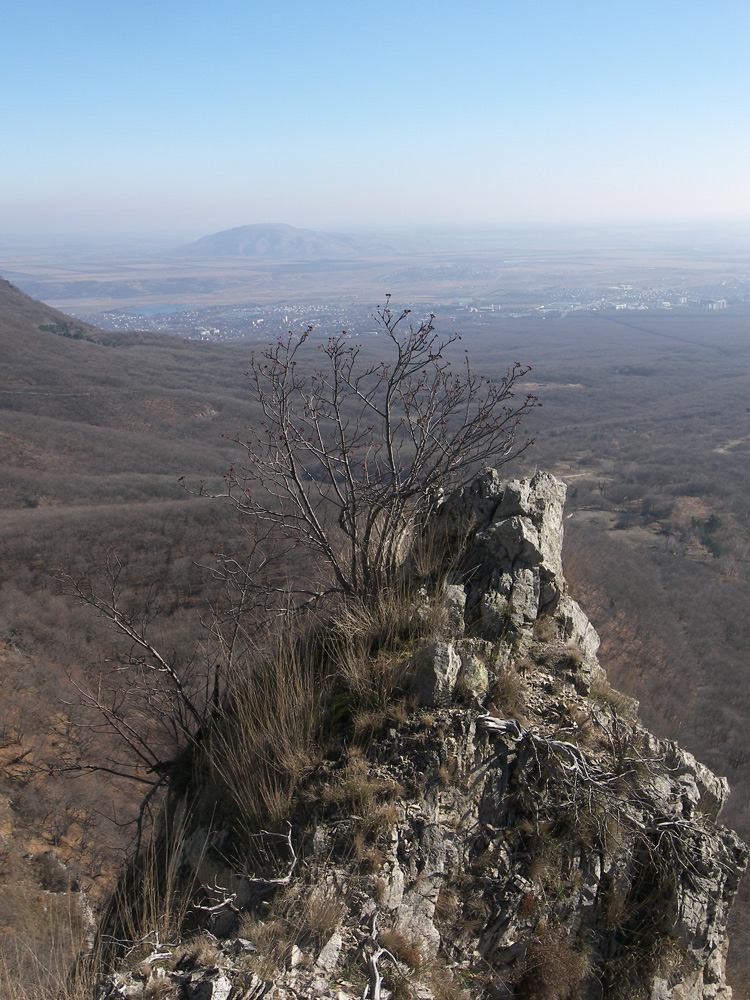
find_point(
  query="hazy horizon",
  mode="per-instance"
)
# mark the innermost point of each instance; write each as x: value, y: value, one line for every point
x: 175, y: 118
x: 411, y: 239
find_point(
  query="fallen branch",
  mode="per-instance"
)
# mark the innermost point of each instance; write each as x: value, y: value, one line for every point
x: 226, y: 903
x: 372, y: 951
x: 283, y: 879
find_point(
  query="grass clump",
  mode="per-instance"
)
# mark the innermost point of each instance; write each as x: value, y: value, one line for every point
x: 553, y: 968
x: 199, y: 951
x: 266, y: 742
x: 603, y: 694
x: 507, y: 693
x: 402, y: 946
x: 445, y: 985
x: 302, y: 917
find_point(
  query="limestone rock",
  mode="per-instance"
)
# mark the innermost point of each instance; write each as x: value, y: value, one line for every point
x: 454, y: 600
x: 112, y: 987
x: 329, y: 954
x: 706, y: 792
x: 473, y: 677
x: 515, y: 537
x: 576, y: 627
x: 508, y: 812
x: 435, y: 673
x: 495, y: 613
x: 210, y: 987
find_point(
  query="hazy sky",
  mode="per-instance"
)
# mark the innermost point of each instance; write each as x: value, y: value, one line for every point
x: 159, y: 115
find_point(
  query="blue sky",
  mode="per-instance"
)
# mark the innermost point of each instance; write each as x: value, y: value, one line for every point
x: 166, y: 116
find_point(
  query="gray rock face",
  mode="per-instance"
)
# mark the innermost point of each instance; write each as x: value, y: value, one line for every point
x: 518, y: 820
x: 436, y: 670
x: 516, y: 532
x: 576, y: 627
x: 473, y: 677
x: 329, y: 954
x: 210, y: 987
x: 454, y: 601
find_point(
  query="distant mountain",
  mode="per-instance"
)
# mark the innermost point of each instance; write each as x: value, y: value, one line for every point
x: 281, y: 242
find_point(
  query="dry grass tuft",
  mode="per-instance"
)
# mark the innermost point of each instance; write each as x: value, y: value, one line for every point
x: 573, y: 655
x: 447, y: 905
x: 371, y: 859
x: 507, y: 692
x: 445, y: 987
x: 320, y: 916
x: 273, y: 943
x: 401, y: 946
x: 305, y: 917
x: 605, y: 695
x: 153, y: 899
x: 545, y: 629
x: 161, y: 989
x: 265, y: 743
x: 200, y: 951
x: 370, y: 642
x: 553, y: 968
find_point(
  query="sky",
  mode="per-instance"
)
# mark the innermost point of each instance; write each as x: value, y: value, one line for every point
x: 171, y: 116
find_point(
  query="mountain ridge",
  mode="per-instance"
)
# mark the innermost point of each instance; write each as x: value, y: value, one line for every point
x: 279, y: 241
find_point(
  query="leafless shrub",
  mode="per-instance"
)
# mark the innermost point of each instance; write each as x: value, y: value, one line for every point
x: 351, y: 456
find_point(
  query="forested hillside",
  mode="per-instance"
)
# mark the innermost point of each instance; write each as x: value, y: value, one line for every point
x: 648, y: 425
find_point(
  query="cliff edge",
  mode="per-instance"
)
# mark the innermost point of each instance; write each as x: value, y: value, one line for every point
x: 499, y: 825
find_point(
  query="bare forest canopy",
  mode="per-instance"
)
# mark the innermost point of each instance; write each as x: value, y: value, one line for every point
x: 646, y: 417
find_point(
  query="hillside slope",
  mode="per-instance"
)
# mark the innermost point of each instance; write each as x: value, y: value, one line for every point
x: 95, y: 429
x: 89, y: 473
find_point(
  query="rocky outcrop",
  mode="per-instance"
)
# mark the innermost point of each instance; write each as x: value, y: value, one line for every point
x: 516, y: 532
x: 511, y: 831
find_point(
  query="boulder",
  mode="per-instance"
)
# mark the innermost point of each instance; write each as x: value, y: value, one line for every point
x: 435, y: 671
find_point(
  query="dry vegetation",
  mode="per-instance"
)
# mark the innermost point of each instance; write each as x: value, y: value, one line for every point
x: 92, y: 440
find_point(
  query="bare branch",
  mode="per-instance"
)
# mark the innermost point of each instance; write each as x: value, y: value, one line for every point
x: 350, y: 456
